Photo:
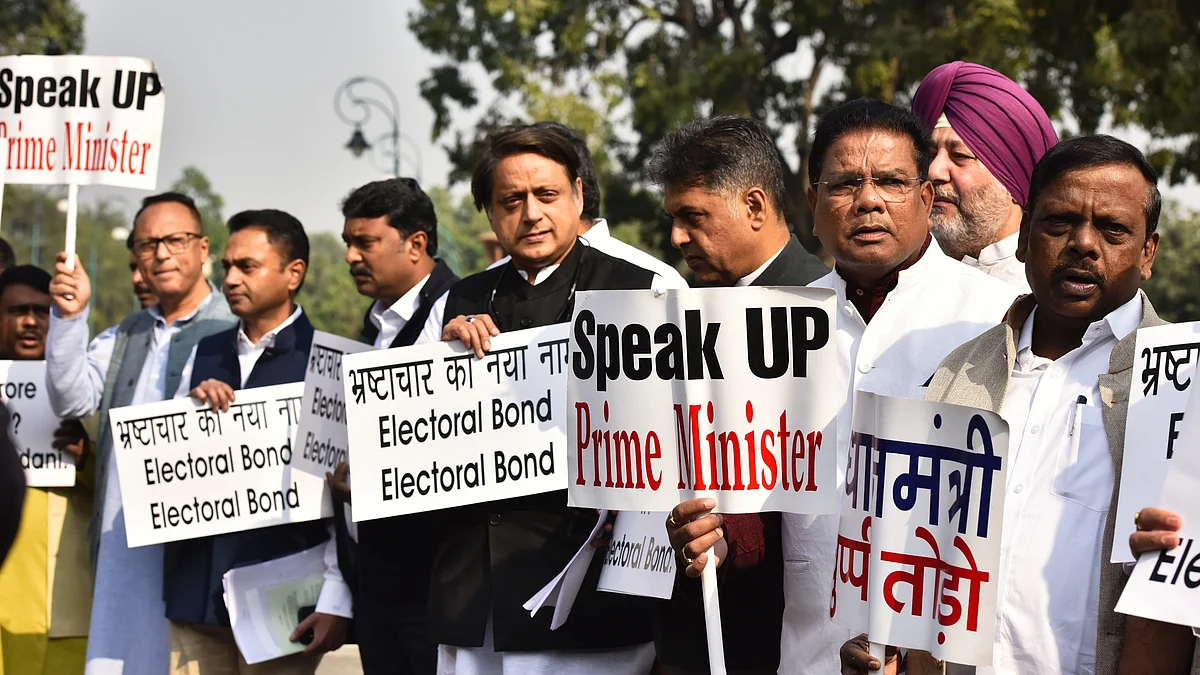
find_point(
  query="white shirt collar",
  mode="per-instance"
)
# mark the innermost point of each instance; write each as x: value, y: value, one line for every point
x: 403, y: 308
x: 1116, y: 325
x: 598, y: 230
x: 244, y: 345
x: 542, y: 274
x: 994, y: 253
x: 753, y: 276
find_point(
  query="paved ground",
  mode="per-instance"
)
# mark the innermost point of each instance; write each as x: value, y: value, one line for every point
x: 342, y: 662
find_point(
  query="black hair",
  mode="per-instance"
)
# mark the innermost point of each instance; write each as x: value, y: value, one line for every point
x: 587, y: 168
x: 283, y: 230
x: 724, y: 154
x: 407, y: 207
x: 1086, y: 152
x: 7, y: 257
x: 866, y: 114
x: 169, y: 198
x: 520, y: 140
x: 25, y: 275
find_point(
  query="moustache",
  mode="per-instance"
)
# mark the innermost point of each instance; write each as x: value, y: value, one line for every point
x: 360, y: 270
x: 29, y: 335
x: 946, y: 192
x: 1081, y: 268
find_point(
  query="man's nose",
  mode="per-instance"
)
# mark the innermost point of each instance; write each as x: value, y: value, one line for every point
x: 868, y: 199
x: 679, y: 236
x: 939, y: 169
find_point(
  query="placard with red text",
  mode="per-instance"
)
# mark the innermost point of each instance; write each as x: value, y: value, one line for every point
x: 918, y: 550
x: 85, y: 120
x: 730, y: 393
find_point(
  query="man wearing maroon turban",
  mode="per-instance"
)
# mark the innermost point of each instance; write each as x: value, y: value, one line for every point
x: 989, y: 133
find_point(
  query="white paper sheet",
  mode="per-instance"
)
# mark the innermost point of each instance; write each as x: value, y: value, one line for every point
x: 639, y: 561
x: 561, y: 591
x: 264, y: 601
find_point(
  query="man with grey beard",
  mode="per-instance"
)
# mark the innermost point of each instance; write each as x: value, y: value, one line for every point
x: 989, y: 133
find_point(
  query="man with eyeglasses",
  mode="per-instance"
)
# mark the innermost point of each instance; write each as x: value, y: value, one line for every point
x: 141, y: 361
x: 493, y: 557
x: 902, y: 306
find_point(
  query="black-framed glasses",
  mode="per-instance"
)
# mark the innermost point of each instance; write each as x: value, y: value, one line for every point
x: 176, y: 243
x: 892, y: 189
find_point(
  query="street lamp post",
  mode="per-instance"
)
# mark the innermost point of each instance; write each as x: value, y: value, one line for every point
x: 350, y: 94
x: 353, y: 102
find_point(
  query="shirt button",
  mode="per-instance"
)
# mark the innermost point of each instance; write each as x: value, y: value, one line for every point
x: 1055, y: 373
x: 864, y: 367
x: 494, y: 519
x: 1019, y: 489
x: 848, y: 311
x: 526, y: 322
x: 1036, y: 428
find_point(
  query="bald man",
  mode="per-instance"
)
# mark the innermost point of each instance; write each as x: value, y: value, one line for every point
x: 989, y: 133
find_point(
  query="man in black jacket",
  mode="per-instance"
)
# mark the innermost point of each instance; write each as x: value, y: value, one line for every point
x: 492, y: 557
x: 265, y: 261
x: 723, y: 187
x: 391, y: 240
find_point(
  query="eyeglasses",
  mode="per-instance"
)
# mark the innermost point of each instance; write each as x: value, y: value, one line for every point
x: 176, y: 243
x: 891, y: 190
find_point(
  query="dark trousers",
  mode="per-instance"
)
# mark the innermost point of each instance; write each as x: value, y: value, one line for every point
x: 391, y: 615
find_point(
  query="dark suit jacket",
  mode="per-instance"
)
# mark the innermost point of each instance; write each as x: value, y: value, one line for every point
x: 751, y: 578
x: 12, y: 488
x: 492, y: 557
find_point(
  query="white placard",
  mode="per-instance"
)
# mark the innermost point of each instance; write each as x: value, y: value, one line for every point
x: 32, y: 424
x: 321, y: 438
x: 730, y: 393
x: 82, y: 120
x: 189, y: 472
x: 433, y: 427
x: 1165, y: 366
x: 918, y: 550
x: 639, y: 560
x: 1165, y: 585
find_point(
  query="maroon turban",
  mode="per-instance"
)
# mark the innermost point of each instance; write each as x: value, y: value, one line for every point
x: 999, y: 121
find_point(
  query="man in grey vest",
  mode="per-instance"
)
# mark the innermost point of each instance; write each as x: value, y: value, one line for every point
x: 142, y: 361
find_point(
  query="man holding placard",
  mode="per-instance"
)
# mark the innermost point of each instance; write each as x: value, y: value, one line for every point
x: 265, y: 261
x: 391, y: 240
x: 491, y: 557
x: 46, y: 583
x: 902, y: 306
x: 1059, y: 371
x: 141, y: 361
x: 703, y: 167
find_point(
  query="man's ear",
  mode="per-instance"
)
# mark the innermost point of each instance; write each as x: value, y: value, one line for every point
x: 1149, y: 251
x: 927, y: 198
x: 756, y: 204
x: 418, y: 242
x: 578, y: 197
x: 1023, y: 236
x: 296, y: 271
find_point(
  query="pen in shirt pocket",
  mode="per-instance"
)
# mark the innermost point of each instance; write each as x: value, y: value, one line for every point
x: 1076, y: 415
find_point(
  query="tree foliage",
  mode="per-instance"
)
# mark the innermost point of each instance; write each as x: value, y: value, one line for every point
x: 40, y: 27
x: 1173, y: 287
x: 652, y: 65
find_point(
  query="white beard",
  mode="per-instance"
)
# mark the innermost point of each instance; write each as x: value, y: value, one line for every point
x: 976, y: 223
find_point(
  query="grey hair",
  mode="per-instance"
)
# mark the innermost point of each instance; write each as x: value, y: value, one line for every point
x: 722, y: 154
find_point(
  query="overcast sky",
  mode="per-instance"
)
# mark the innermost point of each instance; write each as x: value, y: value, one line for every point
x: 250, y: 86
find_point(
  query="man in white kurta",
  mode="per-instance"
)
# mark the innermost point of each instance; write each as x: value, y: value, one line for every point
x: 989, y: 133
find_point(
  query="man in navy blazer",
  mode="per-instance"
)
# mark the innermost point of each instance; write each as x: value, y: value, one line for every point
x: 265, y: 261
